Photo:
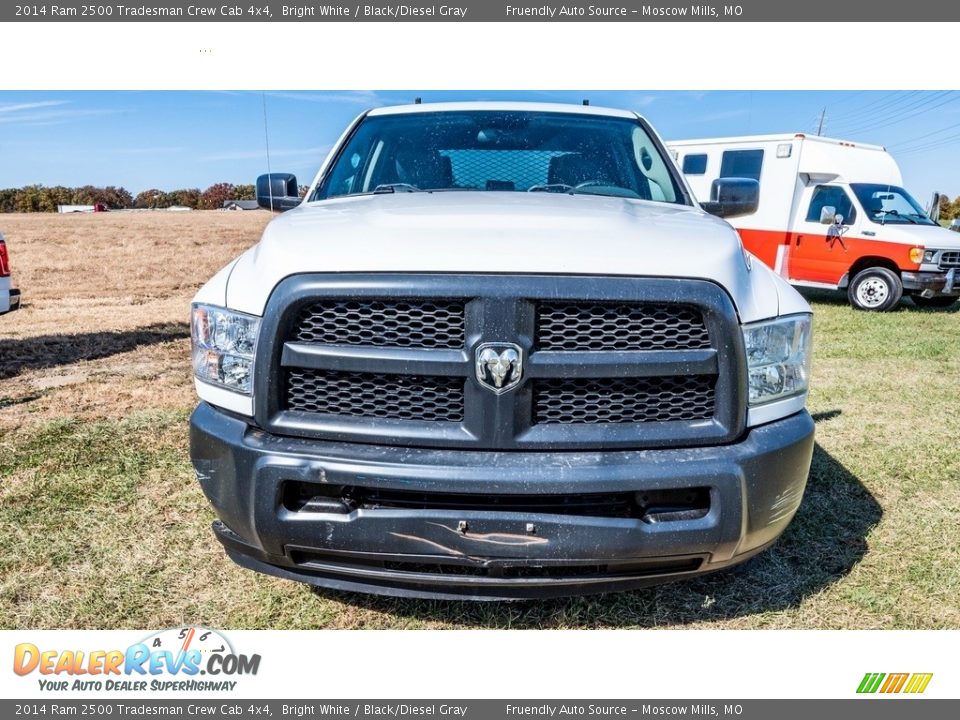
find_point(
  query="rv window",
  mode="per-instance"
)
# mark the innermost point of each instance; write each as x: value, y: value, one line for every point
x: 741, y: 164
x: 833, y: 196
x: 694, y: 164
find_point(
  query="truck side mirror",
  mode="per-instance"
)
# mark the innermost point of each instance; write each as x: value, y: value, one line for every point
x: 278, y: 191
x: 730, y: 197
x: 828, y: 215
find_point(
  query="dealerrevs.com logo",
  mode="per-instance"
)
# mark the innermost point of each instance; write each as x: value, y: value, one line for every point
x: 179, y: 659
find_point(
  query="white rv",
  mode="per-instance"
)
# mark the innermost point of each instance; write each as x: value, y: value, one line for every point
x: 832, y: 214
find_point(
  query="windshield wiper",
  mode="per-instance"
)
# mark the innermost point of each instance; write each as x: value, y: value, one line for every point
x: 607, y: 191
x: 551, y: 187
x: 895, y: 213
x: 395, y: 188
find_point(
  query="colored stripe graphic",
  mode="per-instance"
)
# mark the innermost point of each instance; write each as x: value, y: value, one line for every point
x: 918, y: 683
x: 870, y: 682
x: 894, y: 683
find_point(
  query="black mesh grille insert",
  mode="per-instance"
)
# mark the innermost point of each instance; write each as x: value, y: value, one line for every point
x: 597, y: 326
x: 624, y: 400
x: 385, y: 323
x: 394, y: 397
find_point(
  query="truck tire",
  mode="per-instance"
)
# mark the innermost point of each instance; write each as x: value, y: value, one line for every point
x: 875, y: 289
x: 941, y: 301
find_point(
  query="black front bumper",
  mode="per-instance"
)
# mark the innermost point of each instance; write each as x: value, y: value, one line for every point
x: 932, y: 284
x: 754, y: 488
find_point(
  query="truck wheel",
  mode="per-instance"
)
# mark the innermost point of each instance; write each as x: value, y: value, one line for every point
x: 876, y: 289
x: 941, y: 301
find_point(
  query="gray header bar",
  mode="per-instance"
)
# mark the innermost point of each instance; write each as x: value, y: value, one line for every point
x: 227, y: 708
x: 827, y: 11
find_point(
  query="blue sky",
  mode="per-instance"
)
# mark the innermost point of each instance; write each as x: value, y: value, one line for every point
x: 173, y: 140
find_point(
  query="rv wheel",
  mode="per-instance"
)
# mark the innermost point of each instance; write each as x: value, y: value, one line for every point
x: 876, y: 289
x: 941, y: 301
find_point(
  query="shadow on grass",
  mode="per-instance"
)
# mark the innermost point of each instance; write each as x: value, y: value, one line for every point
x: 825, y: 541
x: 48, y: 351
x: 839, y: 297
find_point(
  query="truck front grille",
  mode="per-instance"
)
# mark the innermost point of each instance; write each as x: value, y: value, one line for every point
x: 950, y: 259
x: 624, y: 400
x: 369, y: 395
x: 619, y: 326
x: 606, y: 362
x: 382, y: 323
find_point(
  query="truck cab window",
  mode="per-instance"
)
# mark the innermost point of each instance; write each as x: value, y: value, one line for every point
x: 741, y: 164
x: 831, y: 196
x: 502, y: 151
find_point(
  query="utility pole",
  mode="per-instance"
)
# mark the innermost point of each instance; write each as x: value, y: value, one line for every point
x: 823, y: 115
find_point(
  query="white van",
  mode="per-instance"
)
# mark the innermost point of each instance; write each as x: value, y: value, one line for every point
x: 832, y: 214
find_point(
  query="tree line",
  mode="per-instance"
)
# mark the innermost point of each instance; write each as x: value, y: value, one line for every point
x: 949, y: 209
x: 38, y: 198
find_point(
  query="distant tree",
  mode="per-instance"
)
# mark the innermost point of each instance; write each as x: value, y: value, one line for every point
x: 244, y: 192
x: 945, y: 207
x: 8, y: 199
x: 949, y: 210
x: 150, y: 199
x: 188, y: 197
x: 58, y: 195
x: 29, y: 199
x: 215, y: 195
x: 303, y: 190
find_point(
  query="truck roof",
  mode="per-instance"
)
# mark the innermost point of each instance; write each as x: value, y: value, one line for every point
x: 783, y: 137
x: 505, y: 106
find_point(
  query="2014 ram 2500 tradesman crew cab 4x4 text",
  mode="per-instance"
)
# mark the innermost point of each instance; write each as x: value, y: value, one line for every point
x: 498, y: 351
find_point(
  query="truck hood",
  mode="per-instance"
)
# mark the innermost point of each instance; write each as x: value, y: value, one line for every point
x: 494, y: 232
x: 928, y: 236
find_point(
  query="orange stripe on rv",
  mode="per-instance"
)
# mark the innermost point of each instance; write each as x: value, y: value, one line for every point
x: 814, y: 258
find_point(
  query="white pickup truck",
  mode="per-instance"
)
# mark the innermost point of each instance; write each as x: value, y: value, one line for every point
x: 499, y: 351
x: 9, y: 295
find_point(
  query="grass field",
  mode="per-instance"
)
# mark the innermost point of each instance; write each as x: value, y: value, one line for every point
x: 102, y: 524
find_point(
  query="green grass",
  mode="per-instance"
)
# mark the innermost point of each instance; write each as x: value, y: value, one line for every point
x: 102, y: 524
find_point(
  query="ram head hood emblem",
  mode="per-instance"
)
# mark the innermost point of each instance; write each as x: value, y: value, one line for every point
x: 499, y: 366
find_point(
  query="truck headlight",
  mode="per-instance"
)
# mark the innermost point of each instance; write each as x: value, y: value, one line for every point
x: 929, y: 256
x: 778, y: 358
x: 224, y: 345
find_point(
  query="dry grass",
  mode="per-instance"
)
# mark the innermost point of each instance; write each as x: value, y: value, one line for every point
x: 103, y: 525
x: 104, y: 326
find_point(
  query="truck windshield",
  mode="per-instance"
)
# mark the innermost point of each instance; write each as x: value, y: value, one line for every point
x: 889, y: 204
x: 502, y: 151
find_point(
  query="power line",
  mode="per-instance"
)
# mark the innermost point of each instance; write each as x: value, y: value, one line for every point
x: 920, y: 109
x: 894, y: 110
x: 948, y: 141
x: 907, y: 144
x: 889, y: 100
